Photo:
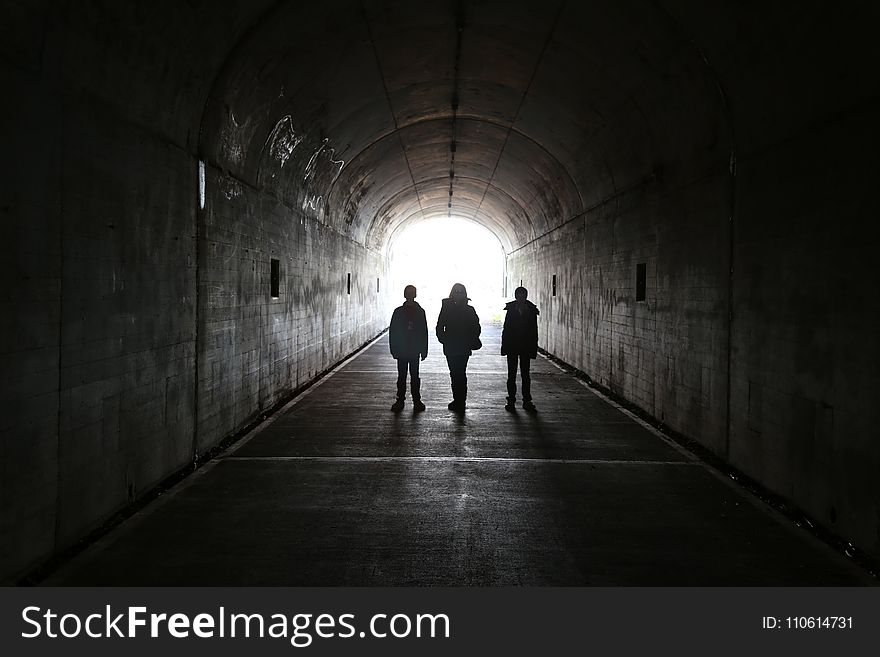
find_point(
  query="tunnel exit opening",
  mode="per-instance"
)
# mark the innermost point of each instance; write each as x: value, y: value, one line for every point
x: 436, y: 253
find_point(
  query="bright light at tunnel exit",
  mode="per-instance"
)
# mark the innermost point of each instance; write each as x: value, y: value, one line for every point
x: 435, y: 253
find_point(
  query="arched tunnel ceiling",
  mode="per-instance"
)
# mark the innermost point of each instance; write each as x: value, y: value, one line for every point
x: 368, y: 114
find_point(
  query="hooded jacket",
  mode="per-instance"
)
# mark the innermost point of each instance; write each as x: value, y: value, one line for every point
x: 458, y: 327
x: 519, y: 337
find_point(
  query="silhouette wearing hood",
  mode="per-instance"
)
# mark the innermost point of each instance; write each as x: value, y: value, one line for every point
x: 519, y: 342
x: 458, y: 330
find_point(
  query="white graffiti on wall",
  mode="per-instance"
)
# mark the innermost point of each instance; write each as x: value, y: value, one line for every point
x: 283, y: 140
x: 229, y: 187
x: 321, y: 170
x: 328, y: 152
x: 230, y: 138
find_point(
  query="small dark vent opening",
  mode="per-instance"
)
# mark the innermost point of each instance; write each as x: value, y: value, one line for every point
x: 275, y: 278
x: 641, y: 279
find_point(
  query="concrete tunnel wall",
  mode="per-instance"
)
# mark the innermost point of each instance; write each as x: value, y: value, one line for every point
x: 755, y: 338
x: 138, y: 328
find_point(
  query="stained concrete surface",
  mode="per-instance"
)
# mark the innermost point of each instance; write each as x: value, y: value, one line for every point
x: 338, y: 490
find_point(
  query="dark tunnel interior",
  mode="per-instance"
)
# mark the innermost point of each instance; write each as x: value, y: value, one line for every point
x: 685, y: 187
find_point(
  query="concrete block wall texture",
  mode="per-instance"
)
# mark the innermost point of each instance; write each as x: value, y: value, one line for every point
x: 796, y: 224
x: 255, y: 349
x: 128, y: 315
x: 68, y: 373
x: 804, y: 354
x: 802, y: 333
x: 121, y: 257
x: 102, y: 208
x: 667, y: 354
x: 106, y: 320
x: 30, y: 247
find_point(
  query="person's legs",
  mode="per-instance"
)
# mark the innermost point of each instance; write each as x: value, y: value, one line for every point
x: 463, y: 378
x: 453, y: 377
x: 524, y: 365
x: 402, y: 364
x: 457, y: 374
x: 511, y: 377
x: 415, y: 383
x: 401, y: 384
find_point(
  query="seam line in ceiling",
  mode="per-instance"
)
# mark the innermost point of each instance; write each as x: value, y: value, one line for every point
x: 459, y: 28
x: 388, y: 99
x: 522, y: 100
x: 636, y: 184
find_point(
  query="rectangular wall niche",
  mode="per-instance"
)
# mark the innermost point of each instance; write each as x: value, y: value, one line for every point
x: 554, y: 285
x: 275, y: 278
x: 348, y: 285
x: 641, y: 279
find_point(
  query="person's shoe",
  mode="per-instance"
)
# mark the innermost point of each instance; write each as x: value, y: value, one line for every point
x: 529, y: 406
x: 397, y: 406
x: 418, y: 406
x: 509, y: 406
x: 457, y: 406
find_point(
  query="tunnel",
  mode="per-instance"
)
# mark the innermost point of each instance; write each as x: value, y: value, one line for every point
x: 200, y: 200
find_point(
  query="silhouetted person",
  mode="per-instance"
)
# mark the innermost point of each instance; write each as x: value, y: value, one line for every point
x: 408, y: 339
x: 519, y: 342
x: 458, y: 330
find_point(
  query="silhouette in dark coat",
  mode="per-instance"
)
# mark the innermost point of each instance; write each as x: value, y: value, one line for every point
x: 519, y: 342
x: 458, y: 330
x: 408, y: 339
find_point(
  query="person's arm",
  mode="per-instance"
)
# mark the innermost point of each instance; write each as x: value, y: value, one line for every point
x: 441, y: 326
x: 424, y: 336
x: 393, y: 331
x: 534, y: 327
